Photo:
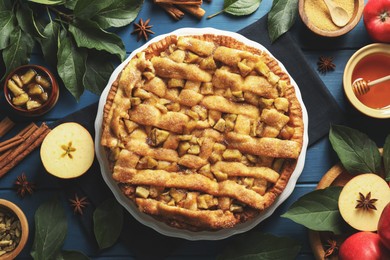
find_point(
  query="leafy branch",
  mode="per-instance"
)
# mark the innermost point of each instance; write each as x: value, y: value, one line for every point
x: 281, y: 17
x: 72, y: 34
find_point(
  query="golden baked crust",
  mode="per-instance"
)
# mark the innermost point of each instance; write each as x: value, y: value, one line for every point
x: 202, y: 132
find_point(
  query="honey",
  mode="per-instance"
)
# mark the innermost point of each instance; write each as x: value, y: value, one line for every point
x: 370, y: 68
x: 318, y: 14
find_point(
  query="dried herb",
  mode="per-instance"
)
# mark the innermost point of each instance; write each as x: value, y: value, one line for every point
x: 332, y: 247
x: 23, y: 186
x: 365, y: 202
x: 69, y: 34
x: 78, y: 204
x: 10, y: 232
x: 142, y: 29
x: 325, y: 64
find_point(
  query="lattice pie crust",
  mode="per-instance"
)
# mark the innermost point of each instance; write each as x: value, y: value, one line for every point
x: 202, y: 132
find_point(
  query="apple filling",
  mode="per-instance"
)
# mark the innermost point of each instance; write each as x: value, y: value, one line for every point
x: 202, y: 132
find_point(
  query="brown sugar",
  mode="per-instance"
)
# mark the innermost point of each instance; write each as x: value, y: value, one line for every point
x: 318, y: 14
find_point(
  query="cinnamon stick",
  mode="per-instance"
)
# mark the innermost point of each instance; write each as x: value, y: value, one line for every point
x: 183, y: 2
x: 4, y: 155
x: 174, y: 12
x: 4, y: 146
x: 5, y: 125
x: 20, y: 152
x: 194, y: 10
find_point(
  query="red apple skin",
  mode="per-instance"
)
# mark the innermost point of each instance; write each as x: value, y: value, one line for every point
x: 376, y: 17
x: 363, y: 245
x: 384, y: 226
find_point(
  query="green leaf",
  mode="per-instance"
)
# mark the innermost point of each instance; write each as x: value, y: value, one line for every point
x: 48, y: 2
x: 71, y: 4
x: 5, y: 5
x: 357, y: 152
x: 49, y: 44
x: 26, y: 20
x: 281, y: 17
x: 318, y: 210
x: 386, y: 158
x: 88, y: 34
x: 109, y: 13
x: 98, y: 71
x: 107, y: 223
x: 7, y: 20
x: 18, y: 51
x: 71, y: 255
x: 71, y: 65
x: 238, y: 7
x: 256, y: 245
x: 50, y: 230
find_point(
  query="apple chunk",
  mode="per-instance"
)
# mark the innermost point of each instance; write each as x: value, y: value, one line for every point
x: 67, y: 151
x: 362, y: 201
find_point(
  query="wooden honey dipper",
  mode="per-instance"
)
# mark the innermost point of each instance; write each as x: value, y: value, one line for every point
x: 361, y: 87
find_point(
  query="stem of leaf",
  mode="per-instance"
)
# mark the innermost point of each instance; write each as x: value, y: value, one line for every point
x: 217, y: 13
x: 65, y: 16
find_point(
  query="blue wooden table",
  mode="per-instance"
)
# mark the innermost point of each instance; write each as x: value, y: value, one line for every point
x: 320, y: 156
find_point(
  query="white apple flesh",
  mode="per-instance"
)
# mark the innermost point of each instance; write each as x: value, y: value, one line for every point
x: 67, y: 151
x: 360, y: 218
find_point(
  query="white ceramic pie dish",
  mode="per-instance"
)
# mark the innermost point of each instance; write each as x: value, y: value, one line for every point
x: 160, y: 226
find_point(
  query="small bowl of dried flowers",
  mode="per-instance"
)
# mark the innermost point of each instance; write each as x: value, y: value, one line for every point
x: 315, y: 15
x: 31, y: 90
x: 13, y: 230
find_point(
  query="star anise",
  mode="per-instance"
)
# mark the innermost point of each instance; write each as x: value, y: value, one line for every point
x: 325, y: 64
x: 23, y: 186
x: 78, y: 204
x: 332, y: 247
x: 142, y: 29
x: 365, y: 202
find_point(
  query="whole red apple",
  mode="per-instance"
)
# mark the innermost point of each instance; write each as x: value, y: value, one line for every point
x: 363, y: 245
x: 384, y: 226
x: 376, y: 16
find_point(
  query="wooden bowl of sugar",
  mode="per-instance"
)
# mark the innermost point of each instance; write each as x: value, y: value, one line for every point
x: 316, y: 17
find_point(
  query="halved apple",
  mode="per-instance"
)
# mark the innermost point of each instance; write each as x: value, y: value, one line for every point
x: 362, y: 201
x: 67, y: 151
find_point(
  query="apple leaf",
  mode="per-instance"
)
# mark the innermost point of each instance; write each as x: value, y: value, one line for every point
x: 71, y: 255
x: 281, y: 17
x: 49, y: 44
x: 107, y: 223
x: 98, y: 72
x: 109, y: 13
x: 7, y: 20
x: 357, y: 152
x: 318, y: 210
x: 256, y: 245
x: 71, y: 4
x: 26, y: 20
x: 89, y: 35
x: 6, y: 5
x: 50, y: 230
x: 71, y: 65
x: 18, y: 51
x: 386, y: 158
x: 48, y: 2
x: 238, y: 7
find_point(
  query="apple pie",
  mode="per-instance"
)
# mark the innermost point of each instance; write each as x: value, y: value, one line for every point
x: 202, y: 132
